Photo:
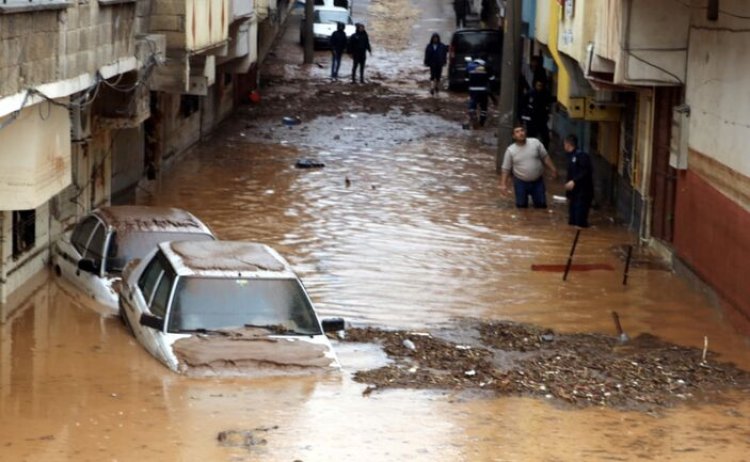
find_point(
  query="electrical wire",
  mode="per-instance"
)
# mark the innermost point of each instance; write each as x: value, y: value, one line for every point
x: 89, y: 94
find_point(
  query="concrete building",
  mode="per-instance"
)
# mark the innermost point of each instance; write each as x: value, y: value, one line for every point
x: 94, y: 95
x: 659, y: 90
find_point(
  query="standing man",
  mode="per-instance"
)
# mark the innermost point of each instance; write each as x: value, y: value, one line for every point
x: 535, y: 112
x: 580, y: 183
x: 461, y: 7
x: 338, y: 42
x: 435, y: 57
x: 359, y: 45
x: 480, y: 76
x: 525, y: 160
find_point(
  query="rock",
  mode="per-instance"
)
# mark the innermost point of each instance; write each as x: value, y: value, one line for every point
x: 409, y: 345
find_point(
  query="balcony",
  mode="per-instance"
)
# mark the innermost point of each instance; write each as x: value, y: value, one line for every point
x: 640, y: 42
x: 196, y: 32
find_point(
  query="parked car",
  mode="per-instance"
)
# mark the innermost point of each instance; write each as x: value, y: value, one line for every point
x: 324, y: 23
x: 213, y: 307
x: 486, y: 44
x: 93, y: 254
x: 338, y: 3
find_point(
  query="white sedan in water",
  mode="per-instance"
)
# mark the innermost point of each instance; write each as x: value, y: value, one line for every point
x: 223, y: 307
x: 93, y: 254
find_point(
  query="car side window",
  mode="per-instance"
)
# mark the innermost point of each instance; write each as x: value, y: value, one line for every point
x: 150, y: 277
x: 82, y: 233
x: 161, y: 297
x: 95, y: 248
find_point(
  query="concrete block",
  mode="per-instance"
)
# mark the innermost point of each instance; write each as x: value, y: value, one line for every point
x: 169, y: 7
x: 72, y: 21
x: 45, y: 21
x: 86, y: 38
x: 10, y: 50
x: 167, y: 23
x: 175, y: 40
x: 72, y: 41
x: 85, y: 16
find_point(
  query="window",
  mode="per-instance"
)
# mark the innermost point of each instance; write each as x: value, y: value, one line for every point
x: 24, y: 231
x: 161, y: 297
x: 188, y: 105
x: 218, y: 303
x: 150, y: 277
x: 95, y: 249
x: 82, y: 234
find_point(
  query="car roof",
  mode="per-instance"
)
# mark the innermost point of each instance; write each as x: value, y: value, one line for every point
x: 150, y: 218
x: 475, y: 31
x: 225, y: 259
x: 331, y: 8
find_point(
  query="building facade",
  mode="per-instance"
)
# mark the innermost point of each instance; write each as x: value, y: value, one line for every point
x: 95, y: 95
x: 657, y: 91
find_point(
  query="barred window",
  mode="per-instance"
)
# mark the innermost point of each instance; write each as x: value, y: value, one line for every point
x: 24, y: 231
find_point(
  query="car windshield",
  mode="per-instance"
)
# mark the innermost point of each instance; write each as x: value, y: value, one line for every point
x: 328, y: 17
x: 478, y: 43
x: 124, y: 247
x: 204, y: 303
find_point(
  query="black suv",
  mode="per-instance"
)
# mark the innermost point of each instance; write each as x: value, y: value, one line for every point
x: 474, y: 43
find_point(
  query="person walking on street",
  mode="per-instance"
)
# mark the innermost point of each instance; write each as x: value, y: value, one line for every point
x: 579, y: 184
x: 338, y: 43
x: 461, y: 7
x: 525, y: 161
x: 435, y: 57
x: 535, y: 112
x: 480, y: 75
x: 359, y: 45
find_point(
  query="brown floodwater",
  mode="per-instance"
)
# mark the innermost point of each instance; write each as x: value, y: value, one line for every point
x: 418, y: 237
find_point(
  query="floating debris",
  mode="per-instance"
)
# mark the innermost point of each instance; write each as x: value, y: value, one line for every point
x: 309, y: 163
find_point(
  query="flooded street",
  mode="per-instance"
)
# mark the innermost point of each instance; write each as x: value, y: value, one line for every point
x: 403, y: 228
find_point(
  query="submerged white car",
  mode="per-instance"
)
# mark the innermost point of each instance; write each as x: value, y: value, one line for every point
x: 93, y: 254
x: 224, y: 307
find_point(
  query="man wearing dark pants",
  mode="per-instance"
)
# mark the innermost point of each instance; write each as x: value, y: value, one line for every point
x: 525, y: 160
x: 580, y: 183
x: 359, y: 45
x: 338, y: 46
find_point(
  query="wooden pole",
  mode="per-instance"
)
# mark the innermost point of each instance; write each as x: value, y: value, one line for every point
x: 570, y: 257
x: 627, y: 266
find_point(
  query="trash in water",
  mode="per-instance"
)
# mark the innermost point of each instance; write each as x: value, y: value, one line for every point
x: 309, y: 163
x: 289, y: 121
x: 559, y: 199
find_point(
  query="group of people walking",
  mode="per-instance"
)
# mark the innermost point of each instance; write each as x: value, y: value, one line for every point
x: 358, y: 45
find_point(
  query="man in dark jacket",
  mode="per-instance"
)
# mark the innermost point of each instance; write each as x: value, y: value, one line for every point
x: 338, y: 42
x: 580, y: 183
x: 435, y: 57
x: 359, y: 45
x: 535, y: 112
x: 480, y: 75
x: 461, y: 7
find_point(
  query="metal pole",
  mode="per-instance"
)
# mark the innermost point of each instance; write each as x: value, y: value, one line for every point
x: 308, y: 32
x: 627, y: 266
x: 570, y: 257
x: 510, y: 73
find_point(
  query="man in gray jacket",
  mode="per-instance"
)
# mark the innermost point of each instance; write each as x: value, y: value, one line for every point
x: 525, y: 160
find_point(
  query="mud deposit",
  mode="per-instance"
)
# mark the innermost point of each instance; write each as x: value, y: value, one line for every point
x: 645, y: 374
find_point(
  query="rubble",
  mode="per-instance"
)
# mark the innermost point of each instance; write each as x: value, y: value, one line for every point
x: 581, y: 369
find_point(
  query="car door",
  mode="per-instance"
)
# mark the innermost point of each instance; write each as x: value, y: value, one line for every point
x: 72, y: 251
x: 153, y: 297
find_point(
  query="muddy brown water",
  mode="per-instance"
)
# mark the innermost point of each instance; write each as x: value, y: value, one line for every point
x: 419, y: 237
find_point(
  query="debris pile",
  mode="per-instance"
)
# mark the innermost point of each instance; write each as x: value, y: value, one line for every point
x: 580, y: 369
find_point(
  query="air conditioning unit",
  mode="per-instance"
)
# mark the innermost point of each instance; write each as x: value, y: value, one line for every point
x: 80, y: 123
